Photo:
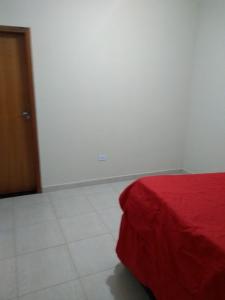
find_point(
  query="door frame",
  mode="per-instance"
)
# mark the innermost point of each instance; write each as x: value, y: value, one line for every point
x: 26, y: 33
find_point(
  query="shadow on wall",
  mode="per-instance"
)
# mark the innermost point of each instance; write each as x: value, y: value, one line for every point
x: 124, y: 286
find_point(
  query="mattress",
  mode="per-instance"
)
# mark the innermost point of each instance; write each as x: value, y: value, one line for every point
x: 172, y: 235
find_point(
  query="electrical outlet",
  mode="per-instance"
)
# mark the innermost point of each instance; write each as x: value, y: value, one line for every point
x: 102, y: 157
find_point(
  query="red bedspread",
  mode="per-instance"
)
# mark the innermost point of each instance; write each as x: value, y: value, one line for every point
x: 172, y: 235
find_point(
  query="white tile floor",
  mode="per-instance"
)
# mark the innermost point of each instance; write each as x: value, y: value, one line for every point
x: 61, y: 246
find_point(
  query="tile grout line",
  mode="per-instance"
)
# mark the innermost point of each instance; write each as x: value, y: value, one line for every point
x: 79, y: 279
x: 108, y: 233
x: 46, y: 288
x: 38, y: 223
x: 100, y: 217
x: 10, y: 257
x: 40, y: 250
x: 55, y: 246
x: 66, y: 244
x: 85, y: 195
x: 68, y: 250
x: 14, y: 233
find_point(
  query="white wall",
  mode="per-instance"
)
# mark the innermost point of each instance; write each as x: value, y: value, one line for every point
x: 206, y: 133
x: 111, y: 76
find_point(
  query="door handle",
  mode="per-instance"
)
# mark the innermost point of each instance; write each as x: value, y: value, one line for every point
x: 26, y: 115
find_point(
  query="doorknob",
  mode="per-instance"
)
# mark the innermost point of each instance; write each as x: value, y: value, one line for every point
x: 26, y: 115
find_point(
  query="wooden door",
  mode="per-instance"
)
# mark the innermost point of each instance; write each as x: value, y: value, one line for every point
x: 19, y: 162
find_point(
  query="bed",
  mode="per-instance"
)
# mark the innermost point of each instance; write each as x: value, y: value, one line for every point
x: 172, y: 235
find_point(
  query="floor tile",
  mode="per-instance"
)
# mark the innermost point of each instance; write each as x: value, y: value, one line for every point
x: 38, y: 236
x: 98, y: 188
x: 121, y: 185
x: 69, y: 207
x: 33, y: 212
x: 115, y: 284
x: 8, y: 289
x: 7, y: 244
x: 103, y: 200
x: 94, y: 255
x: 21, y: 201
x: 6, y: 214
x: 6, y: 203
x: 68, y: 291
x: 82, y: 227
x: 44, y: 269
x: 90, y: 219
x: 115, y: 236
x: 112, y: 218
x: 67, y: 193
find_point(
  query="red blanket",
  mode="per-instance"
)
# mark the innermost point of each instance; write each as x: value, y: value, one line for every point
x: 172, y: 235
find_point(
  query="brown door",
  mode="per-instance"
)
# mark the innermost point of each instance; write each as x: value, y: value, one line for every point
x: 19, y: 163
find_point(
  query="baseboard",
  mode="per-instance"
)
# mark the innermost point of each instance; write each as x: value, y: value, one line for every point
x: 187, y: 171
x: 109, y: 180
